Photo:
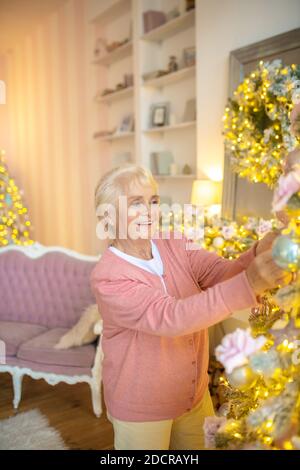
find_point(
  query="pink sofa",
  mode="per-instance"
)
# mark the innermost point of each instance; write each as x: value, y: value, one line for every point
x: 43, y: 292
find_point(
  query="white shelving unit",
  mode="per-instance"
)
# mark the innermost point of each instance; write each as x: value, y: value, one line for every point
x: 121, y: 135
x: 117, y: 95
x: 175, y: 127
x: 143, y: 53
x: 111, y: 11
x: 118, y: 54
x: 171, y: 28
x: 174, y: 77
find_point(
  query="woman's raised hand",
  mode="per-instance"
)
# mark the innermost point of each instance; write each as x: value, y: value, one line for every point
x: 264, y: 274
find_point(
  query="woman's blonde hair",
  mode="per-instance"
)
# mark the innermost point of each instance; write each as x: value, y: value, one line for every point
x: 115, y: 182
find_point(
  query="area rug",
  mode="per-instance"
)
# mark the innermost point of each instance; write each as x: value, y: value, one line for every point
x: 29, y: 431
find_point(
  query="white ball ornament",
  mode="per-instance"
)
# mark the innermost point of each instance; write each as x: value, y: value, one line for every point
x: 286, y: 253
x: 218, y: 242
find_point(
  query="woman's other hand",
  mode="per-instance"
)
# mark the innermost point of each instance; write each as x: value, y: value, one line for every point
x: 266, y: 242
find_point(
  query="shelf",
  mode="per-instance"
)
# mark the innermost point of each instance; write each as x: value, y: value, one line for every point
x: 121, y: 135
x: 117, y: 95
x: 171, y: 27
x: 110, y: 21
x: 181, y: 125
x: 114, y: 11
x: 173, y: 77
x: 174, y: 177
x: 118, y: 54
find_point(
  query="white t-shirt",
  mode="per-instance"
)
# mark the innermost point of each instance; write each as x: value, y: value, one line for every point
x: 154, y: 265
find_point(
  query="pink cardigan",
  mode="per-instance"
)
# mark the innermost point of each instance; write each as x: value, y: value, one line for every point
x: 155, y: 344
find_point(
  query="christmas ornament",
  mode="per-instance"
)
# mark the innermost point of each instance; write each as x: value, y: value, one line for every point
x: 242, y: 377
x: 286, y: 253
x: 264, y: 316
x: 265, y: 362
x: 287, y: 189
x: 218, y: 242
x: 235, y: 349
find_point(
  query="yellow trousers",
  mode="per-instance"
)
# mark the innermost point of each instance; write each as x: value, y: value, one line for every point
x: 182, y: 433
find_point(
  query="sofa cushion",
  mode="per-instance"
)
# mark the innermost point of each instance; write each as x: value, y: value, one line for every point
x: 15, y: 333
x: 41, y: 350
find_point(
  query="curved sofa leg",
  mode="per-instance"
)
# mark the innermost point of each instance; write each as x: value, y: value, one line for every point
x: 17, y: 384
x: 96, y: 397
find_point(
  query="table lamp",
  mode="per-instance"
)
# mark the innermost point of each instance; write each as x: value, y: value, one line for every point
x: 208, y: 194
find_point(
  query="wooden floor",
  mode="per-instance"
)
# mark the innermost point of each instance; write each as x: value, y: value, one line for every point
x: 67, y: 407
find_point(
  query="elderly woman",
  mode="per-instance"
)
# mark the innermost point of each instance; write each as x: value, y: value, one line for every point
x: 157, y: 298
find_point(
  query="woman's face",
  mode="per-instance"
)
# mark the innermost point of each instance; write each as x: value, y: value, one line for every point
x: 139, y: 212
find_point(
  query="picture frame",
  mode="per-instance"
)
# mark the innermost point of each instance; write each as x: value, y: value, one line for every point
x: 159, y: 114
x: 161, y: 162
x: 126, y: 124
x: 189, y: 56
x: 190, y: 111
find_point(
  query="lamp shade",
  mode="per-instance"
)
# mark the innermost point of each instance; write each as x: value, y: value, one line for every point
x: 206, y: 192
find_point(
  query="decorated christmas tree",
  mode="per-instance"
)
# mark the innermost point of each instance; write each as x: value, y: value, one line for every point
x: 262, y: 363
x: 15, y: 226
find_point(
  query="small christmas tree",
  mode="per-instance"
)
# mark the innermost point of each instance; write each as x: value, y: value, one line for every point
x: 15, y: 226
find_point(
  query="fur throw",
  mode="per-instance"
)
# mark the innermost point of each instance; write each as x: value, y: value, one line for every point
x: 85, y: 331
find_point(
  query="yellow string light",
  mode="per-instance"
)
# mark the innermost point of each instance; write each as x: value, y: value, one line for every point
x: 256, y: 124
x: 14, y: 221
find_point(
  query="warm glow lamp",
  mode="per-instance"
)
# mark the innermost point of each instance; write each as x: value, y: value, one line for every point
x: 206, y: 192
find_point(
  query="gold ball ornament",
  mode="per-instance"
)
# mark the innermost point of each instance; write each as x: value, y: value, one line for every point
x: 292, y: 208
x: 285, y: 433
x: 242, y: 377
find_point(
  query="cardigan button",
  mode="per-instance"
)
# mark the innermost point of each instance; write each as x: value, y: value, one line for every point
x: 194, y: 362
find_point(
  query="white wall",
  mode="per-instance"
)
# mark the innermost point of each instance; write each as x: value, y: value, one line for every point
x: 225, y: 25
x: 4, y: 124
